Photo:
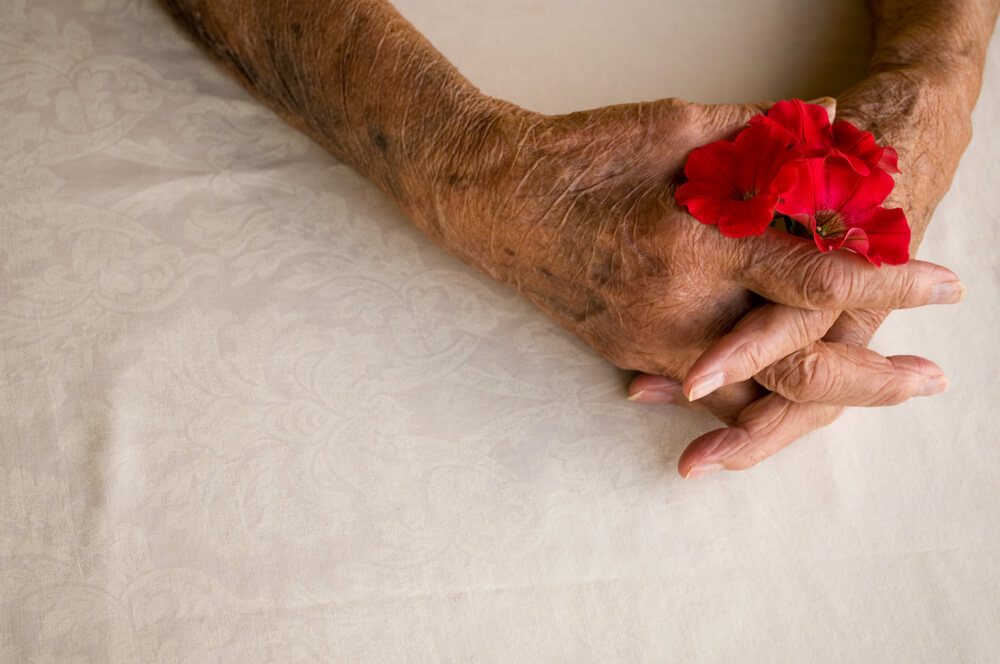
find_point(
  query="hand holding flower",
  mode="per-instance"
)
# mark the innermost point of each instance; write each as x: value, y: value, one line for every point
x: 919, y: 99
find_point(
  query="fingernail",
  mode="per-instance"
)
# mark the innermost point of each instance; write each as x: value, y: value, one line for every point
x: 706, y: 385
x: 652, y: 396
x: 934, y: 385
x: 703, y: 469
x: 653, y: 382
x: 949, y: 292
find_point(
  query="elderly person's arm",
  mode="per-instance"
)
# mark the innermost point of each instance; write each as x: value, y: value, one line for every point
x: 925, y: 74
x: 576, y: 212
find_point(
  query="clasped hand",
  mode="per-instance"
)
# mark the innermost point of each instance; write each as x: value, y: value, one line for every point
x: 577, y: 211
x: 766, y: 332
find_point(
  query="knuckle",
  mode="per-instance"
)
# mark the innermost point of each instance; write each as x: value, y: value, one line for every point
x: 805, y: 375
x: 908, y: 288
x: 827, y: 283
x: 678, y: 112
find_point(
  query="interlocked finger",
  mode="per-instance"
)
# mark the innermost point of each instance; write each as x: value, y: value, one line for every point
x: 848, y: 375
x: 789, y: 270
x: 764, y: 427
x: 764, y: 336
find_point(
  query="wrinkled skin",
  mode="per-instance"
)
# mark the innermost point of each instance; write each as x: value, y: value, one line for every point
x: 581, y: 219
x: 576, y: 212
x: 926, y: 117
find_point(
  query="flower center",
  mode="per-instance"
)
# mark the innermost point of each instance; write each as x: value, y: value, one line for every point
x: 829, y: 224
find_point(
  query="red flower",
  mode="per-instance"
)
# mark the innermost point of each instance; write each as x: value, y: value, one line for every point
x: 736, y: 184
x: 842, y: 208
x: 806, y: 128
x: 832, y: 179
x: 860, y: 148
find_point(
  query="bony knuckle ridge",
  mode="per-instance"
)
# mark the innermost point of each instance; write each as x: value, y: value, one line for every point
x: 804, y: 375
x: 826, y: 284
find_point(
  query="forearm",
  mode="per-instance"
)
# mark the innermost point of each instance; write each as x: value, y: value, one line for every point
x: 359, y: 79
x: 945, y: 40
x: 925, y: 74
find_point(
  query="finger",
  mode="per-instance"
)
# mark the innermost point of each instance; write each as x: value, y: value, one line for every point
x: 763, y: 428
x: 789, y: 270
x: 848, y: 375
x: 725, y: 404
x: 856, y: 326
x: 773, y: 422
x: 728, y: 402
x: 719, y: 121
x: 761, y: 338
x: 650, y: 388
x: 736, y: 115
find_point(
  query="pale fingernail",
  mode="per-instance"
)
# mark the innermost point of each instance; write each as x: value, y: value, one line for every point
x: 934, y: 385
x: 703, y: 469
x: 654, y: 382
x: 948, y: 292
x: 652, y: 396
x: 917, y: 365
x: 706, y: 385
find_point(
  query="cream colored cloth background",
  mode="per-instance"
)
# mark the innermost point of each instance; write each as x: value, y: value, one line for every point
x: 248, y: 414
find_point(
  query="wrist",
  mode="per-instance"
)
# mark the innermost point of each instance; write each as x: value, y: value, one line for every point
x: 940, y: 45
x: 454, y: 189
x: 922, y: 115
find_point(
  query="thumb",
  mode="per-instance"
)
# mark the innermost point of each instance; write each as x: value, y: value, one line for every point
x: 732, y: 117
x: 724, y: 121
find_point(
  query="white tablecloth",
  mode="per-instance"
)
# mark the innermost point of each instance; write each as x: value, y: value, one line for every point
x: 249, y: 414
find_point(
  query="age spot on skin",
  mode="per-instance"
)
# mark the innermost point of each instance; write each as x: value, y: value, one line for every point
x: 379, y: 139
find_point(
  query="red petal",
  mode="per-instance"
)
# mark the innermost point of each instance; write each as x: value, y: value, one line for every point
x: 831, y: 184
x: 804, y: 125
x: 732, y: 184
x: 763, y: 153
x: 804, y: 198
x: 750, y: 217
x: 717, y: 163
x: 861, y: 149
x: 851, y: 193
x: 703, y: 200
x: 889, y: 161
x: 887, y: 237
x: 830, y: 243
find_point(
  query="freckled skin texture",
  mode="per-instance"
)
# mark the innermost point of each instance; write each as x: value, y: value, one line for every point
x: 576, y: 212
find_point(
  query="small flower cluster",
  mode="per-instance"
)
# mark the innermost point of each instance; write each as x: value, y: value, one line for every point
x: 831, y: 179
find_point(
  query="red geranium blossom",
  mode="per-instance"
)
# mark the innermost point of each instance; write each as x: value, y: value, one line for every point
x: 859, y: 147
x: 736, y: 184
x: 807, y: 129
x: 803, y: 126
x: 842, y: 208
x: 832, y: 179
